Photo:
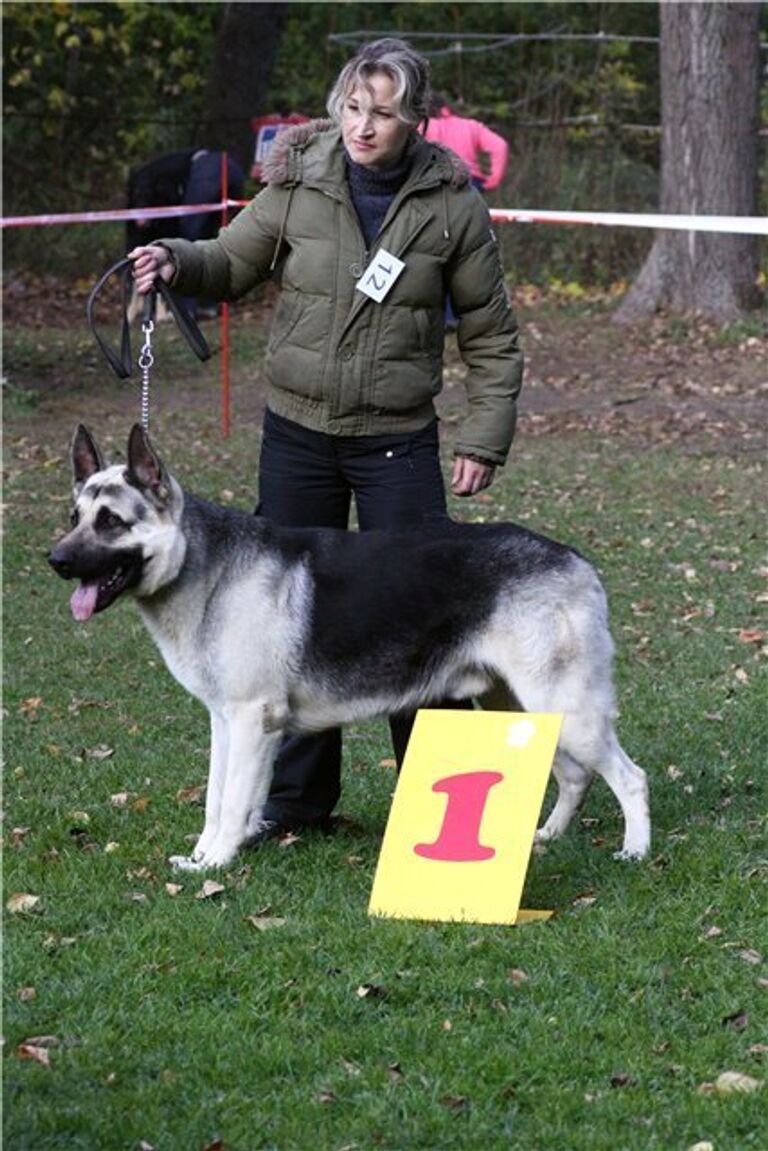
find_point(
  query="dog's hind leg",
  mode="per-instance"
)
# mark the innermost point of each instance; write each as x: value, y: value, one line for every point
x: 595, y: 748
x: 629, y: 784
x: 573, y: 782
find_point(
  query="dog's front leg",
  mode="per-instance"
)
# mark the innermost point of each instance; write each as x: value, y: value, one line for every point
x: 217, y: 773
x: 250, y: 757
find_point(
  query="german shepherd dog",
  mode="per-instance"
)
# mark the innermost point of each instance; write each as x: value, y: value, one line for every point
x: 285, y: 629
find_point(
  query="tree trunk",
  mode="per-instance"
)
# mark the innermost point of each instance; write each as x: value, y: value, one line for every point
x: 710, y: 78
x: 246, y: 46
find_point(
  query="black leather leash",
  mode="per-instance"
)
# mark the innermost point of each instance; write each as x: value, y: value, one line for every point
x: 122, y: 363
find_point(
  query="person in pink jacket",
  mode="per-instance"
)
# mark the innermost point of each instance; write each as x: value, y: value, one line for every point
x: 470, y: 140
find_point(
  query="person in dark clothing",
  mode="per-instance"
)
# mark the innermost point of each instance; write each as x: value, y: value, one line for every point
x: 367, y: 227
x: 187, y: 177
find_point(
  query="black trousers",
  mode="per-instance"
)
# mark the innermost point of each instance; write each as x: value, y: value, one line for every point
x: 308, y: 479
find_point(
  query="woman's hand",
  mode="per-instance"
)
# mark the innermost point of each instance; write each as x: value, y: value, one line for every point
x: 148, y: 263
x: 470, y: 477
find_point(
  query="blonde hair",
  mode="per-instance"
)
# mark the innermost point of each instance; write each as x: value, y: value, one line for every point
x: 408, y: 71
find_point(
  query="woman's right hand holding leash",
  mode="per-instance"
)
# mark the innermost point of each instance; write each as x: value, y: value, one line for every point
x: 148, y: 263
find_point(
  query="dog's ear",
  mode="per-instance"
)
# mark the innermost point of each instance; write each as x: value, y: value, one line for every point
x: 86, y: 457
x: 145, y: 468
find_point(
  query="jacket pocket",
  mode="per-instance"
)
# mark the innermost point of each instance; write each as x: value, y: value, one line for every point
x: 287, y: 315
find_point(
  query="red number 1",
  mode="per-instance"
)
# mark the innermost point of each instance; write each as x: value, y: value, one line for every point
x: 458, y: 841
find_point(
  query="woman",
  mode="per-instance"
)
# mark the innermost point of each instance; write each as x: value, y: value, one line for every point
x: 367, y: 227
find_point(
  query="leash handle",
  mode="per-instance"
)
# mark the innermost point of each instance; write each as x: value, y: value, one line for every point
x: 121, y: 363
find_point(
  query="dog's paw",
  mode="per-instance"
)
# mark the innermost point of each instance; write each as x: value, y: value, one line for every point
x: 630, y: 855
x: 185, y: 863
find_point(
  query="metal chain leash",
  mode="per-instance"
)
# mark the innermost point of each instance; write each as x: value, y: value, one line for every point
x: 146, y: 358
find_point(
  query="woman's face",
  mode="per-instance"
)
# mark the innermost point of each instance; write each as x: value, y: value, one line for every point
x: 372, y: 133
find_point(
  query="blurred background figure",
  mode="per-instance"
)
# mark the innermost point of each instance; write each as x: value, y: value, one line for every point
x: 484, y: 152
x: 186, y: 177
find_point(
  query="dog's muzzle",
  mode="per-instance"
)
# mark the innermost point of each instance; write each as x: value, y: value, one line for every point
x: 103, y: 576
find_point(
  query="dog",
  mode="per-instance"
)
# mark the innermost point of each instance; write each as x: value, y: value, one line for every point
x: 287, y: 629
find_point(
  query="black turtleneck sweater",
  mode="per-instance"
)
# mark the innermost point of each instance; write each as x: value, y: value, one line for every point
x: 373, y: 190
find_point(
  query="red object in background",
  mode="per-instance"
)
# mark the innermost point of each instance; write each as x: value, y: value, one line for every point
x: 265, y: 128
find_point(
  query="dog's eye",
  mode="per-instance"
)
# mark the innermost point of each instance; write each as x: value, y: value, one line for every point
x: 108, y: 521
x: 74, y: 517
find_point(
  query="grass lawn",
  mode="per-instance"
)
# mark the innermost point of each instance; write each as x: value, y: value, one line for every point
x: 277, y: 1015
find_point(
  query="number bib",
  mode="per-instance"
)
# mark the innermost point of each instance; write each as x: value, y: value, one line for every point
x: 378, y: 278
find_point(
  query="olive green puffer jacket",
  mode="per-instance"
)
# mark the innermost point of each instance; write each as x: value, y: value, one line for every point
x: 337, y: 361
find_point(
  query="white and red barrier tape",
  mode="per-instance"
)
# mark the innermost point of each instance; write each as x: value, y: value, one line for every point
x: 744, y: 225
x: 117, y: 214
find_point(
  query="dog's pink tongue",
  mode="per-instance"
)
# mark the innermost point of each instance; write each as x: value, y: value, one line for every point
x: 83, y: 602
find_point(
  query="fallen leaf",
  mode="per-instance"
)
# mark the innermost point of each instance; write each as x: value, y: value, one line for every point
x: 758, y: 1050
x: 622, y: 1079
x: 705, y: 1146
x: 730, y: 1083
x: 26, y: 994
x: 739, y: 1021
x: 395, y: 1072
x: 209, y: 889
x: 18, y: 835
x: 749, y: 955
x: 101, y: 751
x: 174, y: 888
x: 389, y: 763
x: 516, y: 977
x: 585, y: 900
x: 21, y: 903
x: 217, y: 1145
x: 54, y: 942
x: 191, y: 794
x: 326, y: 1096
x: 265, y: 922
x: 31, y: 706
x: 42, y: 1041
x: 455, y: 1103
x: 370, y: 991
x: 752, y: 635
x: 121, y: 798
x: 38, y: 1054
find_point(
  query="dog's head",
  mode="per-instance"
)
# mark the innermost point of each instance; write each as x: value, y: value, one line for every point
x: 125, y: 534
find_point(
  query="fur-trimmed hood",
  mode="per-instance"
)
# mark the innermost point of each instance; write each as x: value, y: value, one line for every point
x: 284, y: 163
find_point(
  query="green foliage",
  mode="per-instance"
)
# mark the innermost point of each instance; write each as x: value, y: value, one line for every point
x: 90, y: 89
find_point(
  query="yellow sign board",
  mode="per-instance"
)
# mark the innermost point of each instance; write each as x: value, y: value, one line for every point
x: 461, y: 827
